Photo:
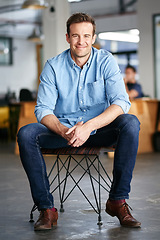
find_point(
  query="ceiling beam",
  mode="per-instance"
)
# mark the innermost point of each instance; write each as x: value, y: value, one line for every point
x: 5, y: 21
x: 10, y: 8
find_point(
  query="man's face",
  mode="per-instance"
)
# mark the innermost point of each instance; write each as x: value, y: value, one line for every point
x: 129, y: 75
x: 80, y: 39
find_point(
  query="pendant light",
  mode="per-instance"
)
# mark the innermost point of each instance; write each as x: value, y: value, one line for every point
x: 34, y: 4
x: 36, y: 35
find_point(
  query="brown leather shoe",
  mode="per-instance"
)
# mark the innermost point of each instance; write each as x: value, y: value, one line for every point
x: 122, y: 212
x: 46, y: 220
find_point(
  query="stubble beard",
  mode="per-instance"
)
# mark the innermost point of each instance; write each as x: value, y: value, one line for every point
x: 82, y: 55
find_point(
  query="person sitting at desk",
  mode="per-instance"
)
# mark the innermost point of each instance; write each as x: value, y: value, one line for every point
x: 133, y: 88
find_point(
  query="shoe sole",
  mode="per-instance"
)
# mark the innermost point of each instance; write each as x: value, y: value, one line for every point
x: 134, y: 226
x: 44, y: 228
x: 123, y: 225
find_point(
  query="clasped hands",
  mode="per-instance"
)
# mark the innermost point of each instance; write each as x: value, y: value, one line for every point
x: 78, y: 134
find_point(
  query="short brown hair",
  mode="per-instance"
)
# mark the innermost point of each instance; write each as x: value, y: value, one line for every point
x: 78, y: 18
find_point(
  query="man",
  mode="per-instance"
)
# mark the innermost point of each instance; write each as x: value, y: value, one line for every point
x: 133, y: 88
x: 81, y: 101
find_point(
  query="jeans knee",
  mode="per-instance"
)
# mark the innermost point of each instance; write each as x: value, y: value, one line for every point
x: 134, y: 122
x: 133, y: 125
x: 25, y: 133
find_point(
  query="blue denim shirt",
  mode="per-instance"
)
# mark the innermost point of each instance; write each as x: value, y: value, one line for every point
x: 74, y: 94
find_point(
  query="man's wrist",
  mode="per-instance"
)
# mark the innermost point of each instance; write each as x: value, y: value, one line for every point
x: 90, y: 126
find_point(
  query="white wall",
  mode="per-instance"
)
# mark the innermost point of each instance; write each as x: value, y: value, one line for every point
x: 23, y: 72
x: 146, y: 9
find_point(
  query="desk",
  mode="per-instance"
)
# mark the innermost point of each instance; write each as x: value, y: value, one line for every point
x: 146, y: 110
x: 26, y: 116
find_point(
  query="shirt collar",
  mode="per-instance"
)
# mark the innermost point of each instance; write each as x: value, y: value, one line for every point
x: 73, y: 64
x: 90, y: 58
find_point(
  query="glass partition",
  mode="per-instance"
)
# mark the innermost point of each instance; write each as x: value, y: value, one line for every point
x: 156, y: 29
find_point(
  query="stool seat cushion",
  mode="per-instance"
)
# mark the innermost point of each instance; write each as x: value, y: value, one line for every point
x: 77, y: 150
x: 72, y: 151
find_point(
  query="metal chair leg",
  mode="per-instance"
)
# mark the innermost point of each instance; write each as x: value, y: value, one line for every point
x: 93, y: 180
x: 99, y: 185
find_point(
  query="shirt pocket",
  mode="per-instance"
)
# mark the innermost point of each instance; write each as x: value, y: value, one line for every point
x: 96, y: 92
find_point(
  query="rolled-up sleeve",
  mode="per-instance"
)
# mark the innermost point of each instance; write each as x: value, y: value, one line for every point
x: 47, y: 93
x: 115, y: 87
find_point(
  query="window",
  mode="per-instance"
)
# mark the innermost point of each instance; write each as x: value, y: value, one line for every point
x: 5, y: 51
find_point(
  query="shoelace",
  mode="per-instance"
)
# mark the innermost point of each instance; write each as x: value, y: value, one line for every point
x: 126, y: 207
x: 44, y: 214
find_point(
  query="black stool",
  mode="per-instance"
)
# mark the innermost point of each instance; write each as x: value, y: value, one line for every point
x: 89, y: 155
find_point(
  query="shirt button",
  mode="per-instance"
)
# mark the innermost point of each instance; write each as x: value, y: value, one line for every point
x: 84, y: 110
x: 80, y: 118
x: 81, y: 101
x: 80, y: 87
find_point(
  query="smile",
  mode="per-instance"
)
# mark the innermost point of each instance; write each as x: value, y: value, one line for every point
x: 80, y: 47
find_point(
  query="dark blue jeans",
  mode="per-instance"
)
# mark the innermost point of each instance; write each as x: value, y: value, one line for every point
x: 123, y: 131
